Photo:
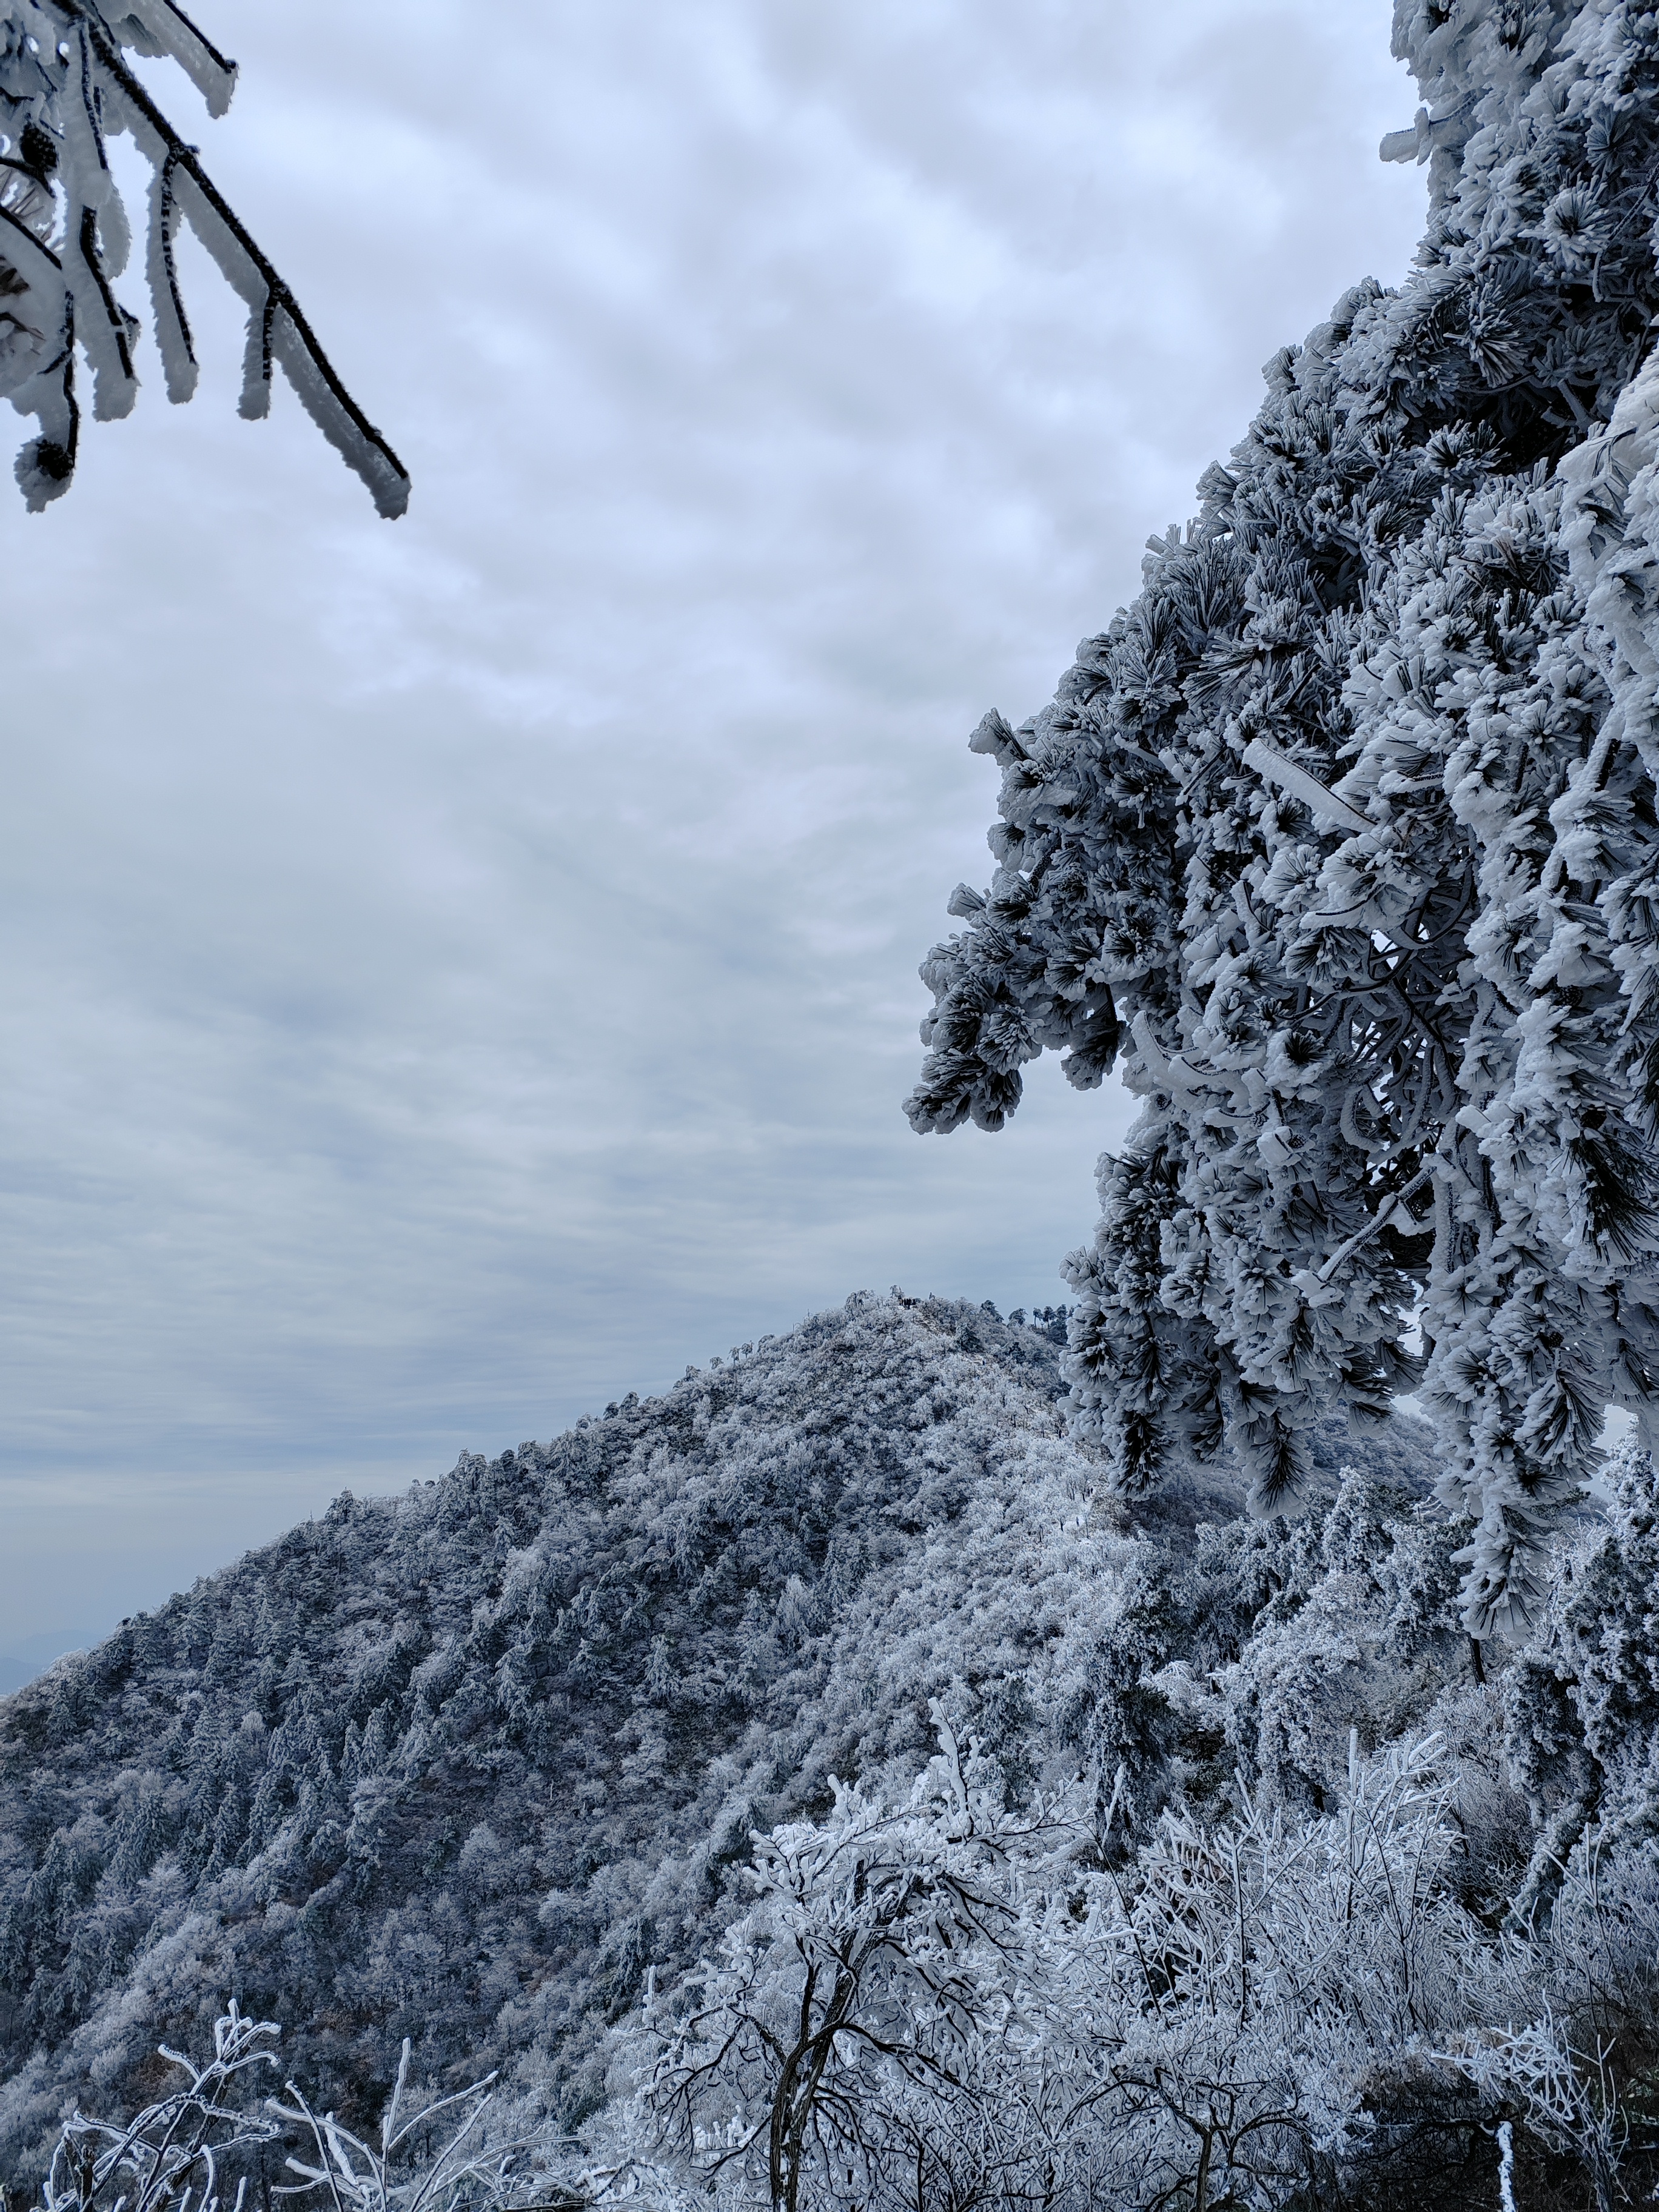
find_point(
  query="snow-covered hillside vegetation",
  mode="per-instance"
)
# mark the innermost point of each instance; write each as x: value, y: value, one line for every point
x: 458, y: 1765
x: 462, y: 1766
x: 492, y: 1766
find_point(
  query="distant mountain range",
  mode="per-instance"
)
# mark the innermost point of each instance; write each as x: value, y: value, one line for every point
x: 29, y: 1655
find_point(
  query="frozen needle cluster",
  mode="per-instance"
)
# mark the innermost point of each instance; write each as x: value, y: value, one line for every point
x: 1341, y: 842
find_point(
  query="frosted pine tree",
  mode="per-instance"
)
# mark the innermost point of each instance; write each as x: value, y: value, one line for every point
x: 67, y: 88
x: 1341, y: 842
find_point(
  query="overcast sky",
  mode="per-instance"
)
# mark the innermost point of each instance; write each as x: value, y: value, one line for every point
x: 459, y: 970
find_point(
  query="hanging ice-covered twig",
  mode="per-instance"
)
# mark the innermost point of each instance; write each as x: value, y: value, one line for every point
x: 1390, y: 1210
x: 65, y: 88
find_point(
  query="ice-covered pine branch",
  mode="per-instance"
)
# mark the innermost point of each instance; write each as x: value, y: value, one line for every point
x: 1340, y: 841
x: 66, y: 89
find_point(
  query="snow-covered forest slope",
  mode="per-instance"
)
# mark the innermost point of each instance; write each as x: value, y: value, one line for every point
x: 1153, y: 1835
x: 463, y: 1765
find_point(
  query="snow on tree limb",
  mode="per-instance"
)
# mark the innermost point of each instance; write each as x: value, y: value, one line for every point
x: 66, y: 88
x: 1272, y: 768
x: 1341, y: 839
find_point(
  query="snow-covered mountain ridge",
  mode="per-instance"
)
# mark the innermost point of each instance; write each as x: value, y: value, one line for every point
x: 464, y: 1764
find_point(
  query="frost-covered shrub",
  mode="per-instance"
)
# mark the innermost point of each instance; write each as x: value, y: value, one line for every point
x: 1582, y: 1701
x: 1565, y: 2020
x: 188, y: 2148
x: 941, y: 2003
x: 866, y: 2031
x: 185, y: 2147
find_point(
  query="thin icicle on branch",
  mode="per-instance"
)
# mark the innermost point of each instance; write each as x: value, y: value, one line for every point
x: 66, y: 89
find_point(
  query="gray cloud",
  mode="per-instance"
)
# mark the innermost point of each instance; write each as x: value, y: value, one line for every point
x: 464, y: 970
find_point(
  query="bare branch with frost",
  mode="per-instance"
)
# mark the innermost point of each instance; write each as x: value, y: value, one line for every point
x: 66, y: 89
